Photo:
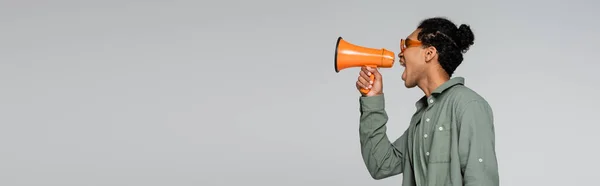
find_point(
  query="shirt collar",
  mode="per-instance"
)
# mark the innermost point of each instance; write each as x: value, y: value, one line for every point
x: 439, y: 90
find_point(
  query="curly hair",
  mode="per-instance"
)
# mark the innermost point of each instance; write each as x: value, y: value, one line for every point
x: 450, y: 41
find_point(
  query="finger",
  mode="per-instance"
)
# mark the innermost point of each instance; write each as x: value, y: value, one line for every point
x: 366, y: 71
x: 366, y: 76
x: 364, y: 82
x: 371, y: 69
x: 361, y: 85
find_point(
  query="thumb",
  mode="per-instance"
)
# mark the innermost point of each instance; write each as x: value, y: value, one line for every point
x: 376, y: 73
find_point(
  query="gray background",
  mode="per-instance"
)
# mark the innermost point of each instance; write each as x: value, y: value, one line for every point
x: 244, y: 92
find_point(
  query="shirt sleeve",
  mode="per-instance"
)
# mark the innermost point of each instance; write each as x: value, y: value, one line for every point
x: 477, y: 145
x: 381, y: 157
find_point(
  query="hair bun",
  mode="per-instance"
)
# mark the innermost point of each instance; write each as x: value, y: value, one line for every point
x: 465, y: 37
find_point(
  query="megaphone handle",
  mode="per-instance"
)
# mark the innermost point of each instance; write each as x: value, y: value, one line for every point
x: 372, y: 77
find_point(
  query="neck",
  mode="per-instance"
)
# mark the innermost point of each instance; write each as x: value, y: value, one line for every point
x: 433, y: 80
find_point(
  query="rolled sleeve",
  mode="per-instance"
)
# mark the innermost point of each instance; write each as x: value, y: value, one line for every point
x: 372, y: 103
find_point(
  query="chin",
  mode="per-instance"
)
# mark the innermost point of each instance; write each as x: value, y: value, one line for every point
x: 407, y: 85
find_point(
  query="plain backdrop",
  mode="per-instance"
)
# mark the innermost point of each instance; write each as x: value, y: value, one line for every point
x: 182, y: 93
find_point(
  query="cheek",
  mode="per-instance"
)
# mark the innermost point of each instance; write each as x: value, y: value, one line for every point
x: 407, y: 66
x: 408, y: 69
x: 409, y: 56
x: 409, y: 60
x: 414, y: 57
x: 413, y: 60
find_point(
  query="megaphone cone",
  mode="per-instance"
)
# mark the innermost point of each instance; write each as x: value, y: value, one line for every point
x: 349, y: 55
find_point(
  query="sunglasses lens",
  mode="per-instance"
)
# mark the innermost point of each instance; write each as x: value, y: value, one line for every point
x: 402, y: 45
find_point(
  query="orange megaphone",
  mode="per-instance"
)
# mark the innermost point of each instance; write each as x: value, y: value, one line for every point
x: 349, y: 55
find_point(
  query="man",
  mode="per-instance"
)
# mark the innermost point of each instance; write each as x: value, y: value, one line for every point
x: 450, y: 139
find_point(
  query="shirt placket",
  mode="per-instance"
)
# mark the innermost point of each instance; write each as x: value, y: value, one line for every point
x: 427, y: 118
x: 423, y: 136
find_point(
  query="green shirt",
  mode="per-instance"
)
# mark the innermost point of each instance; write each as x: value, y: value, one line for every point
x: 450, y: 139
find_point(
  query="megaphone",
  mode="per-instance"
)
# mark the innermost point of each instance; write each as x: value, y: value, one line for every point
x: 349, y: 55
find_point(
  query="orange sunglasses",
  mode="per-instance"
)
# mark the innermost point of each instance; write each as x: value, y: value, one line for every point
x: 405, y: 43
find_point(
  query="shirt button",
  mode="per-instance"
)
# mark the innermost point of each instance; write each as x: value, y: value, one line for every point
x: 427, y: 120
x: 431, y: 101
x: 441, y: 128
x: 425, y: 135
x: 480, y: 160
x: 427, y: 153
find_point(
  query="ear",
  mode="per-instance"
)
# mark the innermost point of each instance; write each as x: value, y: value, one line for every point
x: 430, y: 53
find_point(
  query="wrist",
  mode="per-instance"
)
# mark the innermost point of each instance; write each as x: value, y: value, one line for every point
x: 372, y: 94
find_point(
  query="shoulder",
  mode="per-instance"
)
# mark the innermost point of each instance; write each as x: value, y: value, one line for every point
x: 470, y: 109
x: 464, y: 98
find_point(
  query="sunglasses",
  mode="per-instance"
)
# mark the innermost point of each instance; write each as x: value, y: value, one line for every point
x: 405, y: 43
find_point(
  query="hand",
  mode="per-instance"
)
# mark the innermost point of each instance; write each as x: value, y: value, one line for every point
x: 364, y: 81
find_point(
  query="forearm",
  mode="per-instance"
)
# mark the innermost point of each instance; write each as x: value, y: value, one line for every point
x: 381, y: 157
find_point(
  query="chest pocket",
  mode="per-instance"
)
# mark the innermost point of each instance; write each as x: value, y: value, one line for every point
x: 440, y: 143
